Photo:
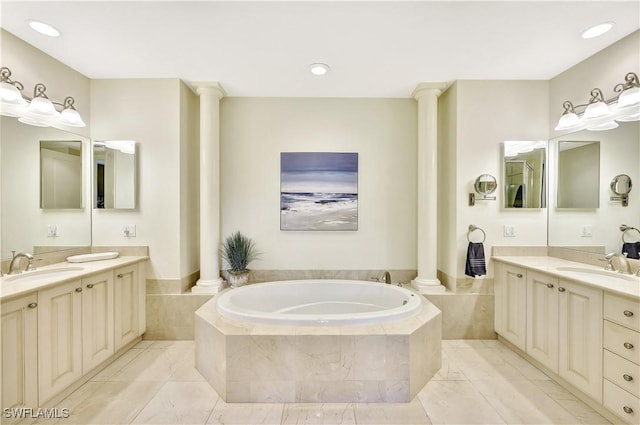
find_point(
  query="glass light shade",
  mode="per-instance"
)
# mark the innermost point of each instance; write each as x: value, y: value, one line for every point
x: 33, y: 122
x: 11, y: 94
x: 42, y: 106
x: 71, y: 117
x: 629, y: 97
x: 634, y: 116
x: 596, y: 110
x: 568, y: 121
x: 609, y: 125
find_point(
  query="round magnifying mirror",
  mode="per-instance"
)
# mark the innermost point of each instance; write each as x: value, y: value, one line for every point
x: 485, y: 184
x: 621, y: 184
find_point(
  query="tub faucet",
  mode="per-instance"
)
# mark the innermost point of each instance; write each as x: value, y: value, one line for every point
x: 623, y: 264
x: 384, y: 277
x: 15, y: 270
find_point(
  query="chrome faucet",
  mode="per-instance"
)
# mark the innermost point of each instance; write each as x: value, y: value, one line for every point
x: 16, y: 257
x: 623, y: 263
x: 384, y: 277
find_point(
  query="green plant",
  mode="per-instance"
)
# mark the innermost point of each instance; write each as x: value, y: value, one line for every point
x: 238, y: 251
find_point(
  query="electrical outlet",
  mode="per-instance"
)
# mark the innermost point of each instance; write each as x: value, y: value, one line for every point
x: 586, y: 231
x: 52, y: 231
x: 509, y: 231
x: 129, y: 230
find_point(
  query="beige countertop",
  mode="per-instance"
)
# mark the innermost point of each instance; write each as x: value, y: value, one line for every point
x: 610, y: 281
x: 12, y: 286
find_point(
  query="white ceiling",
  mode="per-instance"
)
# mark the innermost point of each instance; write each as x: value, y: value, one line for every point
x: 374, y: 49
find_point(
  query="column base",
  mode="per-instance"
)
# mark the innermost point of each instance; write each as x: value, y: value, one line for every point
x: 208, y: 286
x: 428, y: 286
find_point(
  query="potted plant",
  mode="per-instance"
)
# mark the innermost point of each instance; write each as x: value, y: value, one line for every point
x: 237, y: 252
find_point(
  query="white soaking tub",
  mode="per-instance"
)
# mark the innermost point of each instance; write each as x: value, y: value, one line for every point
x: 318, y: 341
x: 319, y: 302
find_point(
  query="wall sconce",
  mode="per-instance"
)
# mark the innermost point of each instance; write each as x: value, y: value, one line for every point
x: 38, y: 110
x: 602, y: 114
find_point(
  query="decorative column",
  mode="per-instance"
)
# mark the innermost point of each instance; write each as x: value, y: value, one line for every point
x: 210, y: 281
x: 427, y: 280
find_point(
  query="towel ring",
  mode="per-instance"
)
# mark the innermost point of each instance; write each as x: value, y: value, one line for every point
x: 473, y: 228
x: 624, y: 229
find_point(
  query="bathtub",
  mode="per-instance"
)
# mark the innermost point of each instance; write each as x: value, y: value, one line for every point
x: 320, y: 341
x: 318, y: 303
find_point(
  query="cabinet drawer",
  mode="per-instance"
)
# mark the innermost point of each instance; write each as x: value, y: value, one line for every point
x: 625, y: 311
x: 622, y: 341
x: 620, y: 402
x: 622, y: 372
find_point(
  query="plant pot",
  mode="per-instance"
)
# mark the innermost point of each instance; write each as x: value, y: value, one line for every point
x: 237, y: 279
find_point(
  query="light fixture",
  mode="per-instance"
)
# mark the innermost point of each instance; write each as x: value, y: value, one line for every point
x: 600, y: 113
x: 319, y: 69
x: 597, y: 30
x: 43, y: 28
x: 38, y: 110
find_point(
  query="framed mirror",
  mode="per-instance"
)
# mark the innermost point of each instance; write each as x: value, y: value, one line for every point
x: 524, y: 174
x: 578, y: 174
x: 60, y: 174
x: 114, y: 174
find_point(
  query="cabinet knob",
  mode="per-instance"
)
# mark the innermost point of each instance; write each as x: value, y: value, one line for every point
x: 90, y: 285
x: 32, y: 305
x: 627, y: 410
x: 519, y: 275
x: 79, y: 289
x: 119, y: 275
x: 628, y: 313
x: 628, y: 345
x: 549, y: 285
x: 561, y: 289
x: 627, y: 378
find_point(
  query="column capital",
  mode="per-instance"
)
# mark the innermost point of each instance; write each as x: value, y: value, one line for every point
x: 424, y: 89
x: 209, y: 87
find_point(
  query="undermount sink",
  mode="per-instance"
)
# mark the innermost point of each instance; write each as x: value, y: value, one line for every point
x: 38, y: 275
x: 598, y: 274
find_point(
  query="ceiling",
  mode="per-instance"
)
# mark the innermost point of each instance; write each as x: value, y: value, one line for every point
x: 374, y: 49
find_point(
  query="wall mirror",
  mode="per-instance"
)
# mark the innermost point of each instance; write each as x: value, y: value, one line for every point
x: 524, y: 174
x: 60, y: 174
x: 26, y: 227
x: 114, y: 174
x: 485, y: 185
x: 596, y: 229
x: 578, y: 174
x: 621, y: 184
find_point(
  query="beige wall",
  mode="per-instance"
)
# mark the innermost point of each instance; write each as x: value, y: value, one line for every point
x: 487, y: 114
x: 382, y: 131
x: 147, y: 111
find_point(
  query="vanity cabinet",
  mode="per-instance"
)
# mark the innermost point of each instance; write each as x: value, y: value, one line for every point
x: 621, y: 353
x: 580, y: 336
x: 542, y: 318
x: 127, y: 305
x: 511, y: 304
x: 97, y: 320
x: 59, y: 338
x: 19, y: 351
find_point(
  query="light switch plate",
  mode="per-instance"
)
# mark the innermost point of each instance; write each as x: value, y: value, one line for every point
x: 129, y: 230
x: 509, y: 231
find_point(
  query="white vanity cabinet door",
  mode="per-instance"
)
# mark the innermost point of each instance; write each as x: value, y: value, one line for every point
x: 542, y: 319
x: 580, y: 332
x: 511, y: 304
x: 19, y: 352
x: 97, y: 320
x: 127, y: 305
x: 59, y: 338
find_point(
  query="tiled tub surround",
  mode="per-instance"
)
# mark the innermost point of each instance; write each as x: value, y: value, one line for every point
x: 387, y: 362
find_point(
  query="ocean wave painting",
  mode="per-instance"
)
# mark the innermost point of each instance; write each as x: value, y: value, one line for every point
x: 318, y: 191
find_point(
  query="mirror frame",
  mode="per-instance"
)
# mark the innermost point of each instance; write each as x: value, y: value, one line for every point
x: 125, y: 147
x: 507, y: 145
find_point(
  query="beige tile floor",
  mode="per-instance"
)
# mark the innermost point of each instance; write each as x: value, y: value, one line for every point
x: 481, y: 382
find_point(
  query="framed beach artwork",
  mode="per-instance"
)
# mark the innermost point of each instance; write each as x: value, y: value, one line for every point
x: 318, y: 191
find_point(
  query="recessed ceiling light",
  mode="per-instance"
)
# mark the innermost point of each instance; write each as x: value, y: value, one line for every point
x: 597, y: 30
x: 43, y: 28
x: 319, y: 69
